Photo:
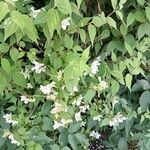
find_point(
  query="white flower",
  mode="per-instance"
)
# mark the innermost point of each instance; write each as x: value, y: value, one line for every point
x: 34, y: 12
x: 84, y: 108
x: 29, y: 86
x: 57, y: 125
x: 9, y: 135
x: 9, y: 120
x: 95, y: 65
x: 57, y: 108
x: 6, y: 134
x: 78, y: 117
x: 13, y: 141
x: 75, y: 89
x: 98, y: 118
x: 65, y: 23
x: 83, y: 124
x: 101, y: 86
x: 95, y: 134
x: 59, y: 75
x: 52, y: 96
x: 38, y: 67
x: 62, y: 123
x: 26, y: 99
x: 78, y: 101
x: 26, y: 73
x: 115, y: 101
x: 47, y: 89
x: 119, y: 118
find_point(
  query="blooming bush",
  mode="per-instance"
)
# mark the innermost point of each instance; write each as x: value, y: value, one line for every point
x: 74, y: 75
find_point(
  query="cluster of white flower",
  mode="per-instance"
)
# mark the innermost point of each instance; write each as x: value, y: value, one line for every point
x: 78, y: 102
x: 97, y: 118
x: 58, y: 108
x: 95, y: 134
x: 101, y: 86
x: 26, y: 73
x: 62, y: 123
x: 10, y: 136
x: 9, y: 119
x: 95, y: 65
x: 115, y: 101
x: 60, y: 75
x: 34, y: 12
x: 119, y: 118
x: 49, y: 91
x: 65, y: 23
x: 26, y: 99
x: 38, y: 67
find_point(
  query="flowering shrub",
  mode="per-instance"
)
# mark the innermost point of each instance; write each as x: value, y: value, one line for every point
x: 74, y: 75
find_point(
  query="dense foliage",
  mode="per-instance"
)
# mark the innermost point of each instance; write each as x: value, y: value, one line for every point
x: 74, y: 75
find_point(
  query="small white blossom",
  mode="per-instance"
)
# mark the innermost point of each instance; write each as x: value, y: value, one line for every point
x: 83, y: 124
x: 119, y: 118
x: 84, y: 108
x: 26, y: 99
x: 75, y: 89
x: 9, y: 135
x: 52, y: 96
x: 101, y: 86
x: 26, y: 73
x: 38, y: 67
x: 57, y: 125
x: 59, y: 75
x: 95, y: 65
x: 114, y: 101
x: 62, y: 123
x: 29, y: 86
x: 57, y: 108
x: 98, y: 118
x: 9, y: 119
x: 13, y: 141
x: 78, y: 101
x: 34, y: 12
x: 65, y: 23
x: 47, y: 89
x: 95, y: 134
x: 78, y: 117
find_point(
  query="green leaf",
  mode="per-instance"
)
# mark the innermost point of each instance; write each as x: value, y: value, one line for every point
x: 66, y: 148
x: 5, y: 64
x: 30, y: 29
x: 145, y: 100
x: 19, y: 79
x: 55, y: 147
x: 114, y: 87
x: 82, y: 139
x: 4, y: 10
x: 92, y: 32
x: 14, y: 53
x: 47, y: 124
x: 79, y: 3
x: 114, y: 3
x: 73, y: 142
x: 18, y: 18
x: 3, y: 84
x: 74, y: 127
x: 140, y: 16
x: 130, y: 19
x: 53, y: 21
x: 141, y: 2
x: 122, y: 145
x: 111, y: 22
x: 64, y: 6
x: 4, y: 47
x: 128, y: 80
x: 82, y: 35
x: 97, y: 21
x: 63, y: 139
x: 89, y: 95
x: 10, y: 28
x: 147, y: 9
